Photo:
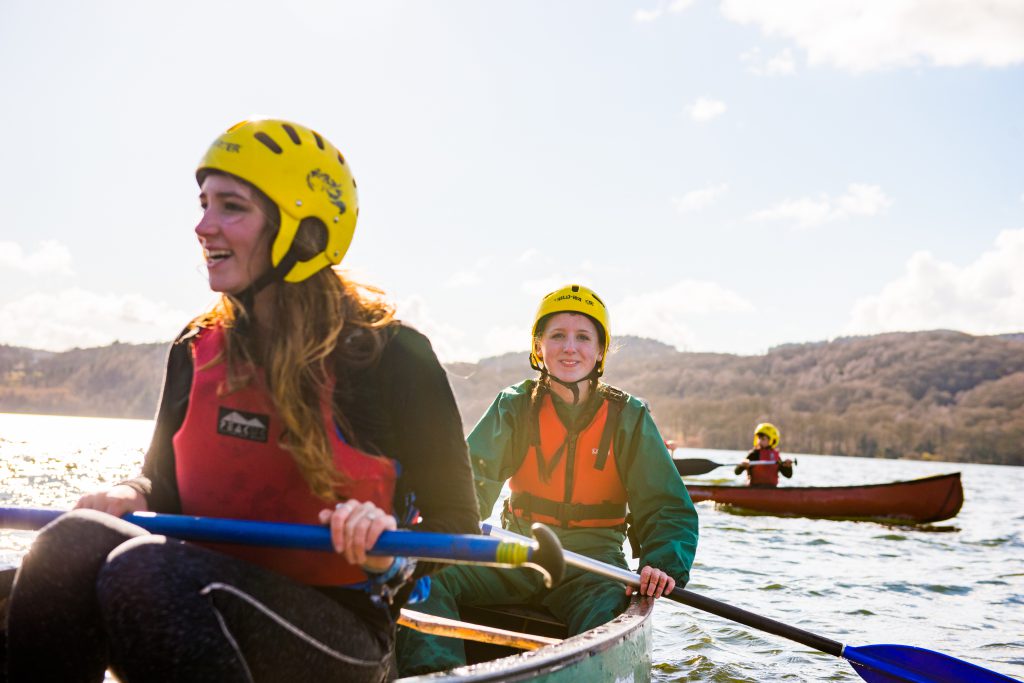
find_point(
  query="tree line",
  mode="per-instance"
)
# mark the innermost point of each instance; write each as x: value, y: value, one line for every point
x: 933, y: 395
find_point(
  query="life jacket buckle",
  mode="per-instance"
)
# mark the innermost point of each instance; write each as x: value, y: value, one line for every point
x: 569, y: 512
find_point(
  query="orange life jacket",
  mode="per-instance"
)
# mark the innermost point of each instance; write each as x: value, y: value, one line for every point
x: 568, y: 478
x: 765, y: 475
x: 229, y: 463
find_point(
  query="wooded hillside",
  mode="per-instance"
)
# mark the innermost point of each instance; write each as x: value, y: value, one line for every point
x: 943, y: 395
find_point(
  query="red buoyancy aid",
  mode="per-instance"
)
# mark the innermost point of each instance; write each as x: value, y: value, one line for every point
x: 569, y: 479
x: 765, y: 475
x: 229, y: 463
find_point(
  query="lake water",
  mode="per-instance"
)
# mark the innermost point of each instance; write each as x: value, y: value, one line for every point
x: 955, y: 587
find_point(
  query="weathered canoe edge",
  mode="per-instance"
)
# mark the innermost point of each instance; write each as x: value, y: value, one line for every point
x: 617, y: 651
x: 950, y: 506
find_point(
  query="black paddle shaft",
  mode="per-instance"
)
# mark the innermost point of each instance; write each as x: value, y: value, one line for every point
x: 757, y: 621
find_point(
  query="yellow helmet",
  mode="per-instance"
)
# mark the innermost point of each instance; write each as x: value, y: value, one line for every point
x: 303, y: 173
x: 573, y: 299
x: 769, y: 430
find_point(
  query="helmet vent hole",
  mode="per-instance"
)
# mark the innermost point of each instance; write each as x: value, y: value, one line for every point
x: 291, y: 133
x: 575, y: 289
x: 310, y: 239
x: 319, y: 140
x: 268, y: 142
x: 341, y: 159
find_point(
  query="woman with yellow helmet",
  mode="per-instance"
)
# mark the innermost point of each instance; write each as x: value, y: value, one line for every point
x: 764, y: 464
x: 582, y: 457
x: 296, y: 398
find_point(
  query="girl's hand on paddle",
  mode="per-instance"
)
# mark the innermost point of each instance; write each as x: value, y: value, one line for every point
x: 117, y: 500
x: 653, y: 583
x: 355, y: 528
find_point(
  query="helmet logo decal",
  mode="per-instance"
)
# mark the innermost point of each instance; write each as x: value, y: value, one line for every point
x: 319, y: 180
x: 573, y: 297
x: 227, y: 146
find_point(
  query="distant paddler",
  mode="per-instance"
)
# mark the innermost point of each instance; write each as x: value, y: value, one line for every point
x: 764, y: 463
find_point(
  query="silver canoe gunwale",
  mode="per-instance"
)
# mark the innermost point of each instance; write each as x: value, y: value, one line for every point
x: 563, y: 658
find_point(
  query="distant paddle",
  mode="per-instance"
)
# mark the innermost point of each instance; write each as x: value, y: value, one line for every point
x: 689, y: 467
x: 873, y: 663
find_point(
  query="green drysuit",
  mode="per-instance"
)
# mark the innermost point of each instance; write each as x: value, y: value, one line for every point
x: 663, y: 518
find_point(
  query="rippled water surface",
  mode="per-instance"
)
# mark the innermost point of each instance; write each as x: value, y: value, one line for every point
x: 955, y: 587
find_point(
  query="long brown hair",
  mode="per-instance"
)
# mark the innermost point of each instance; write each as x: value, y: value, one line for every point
x: 321, y: 326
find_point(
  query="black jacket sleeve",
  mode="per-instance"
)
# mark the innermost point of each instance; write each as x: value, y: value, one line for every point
x: 403, y: 407
x: 427, y: 436
x: 786, y: 470
x: 158, y: 481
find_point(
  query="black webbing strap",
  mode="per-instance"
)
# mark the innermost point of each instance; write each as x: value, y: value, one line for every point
x: 611, y: 424
x: 567, y: 512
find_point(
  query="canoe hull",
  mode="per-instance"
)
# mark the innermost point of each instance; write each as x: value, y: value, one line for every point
x: 931, y: 499
x: 617, y: 651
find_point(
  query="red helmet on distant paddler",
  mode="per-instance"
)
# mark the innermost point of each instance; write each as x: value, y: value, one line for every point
x: 304, y: 175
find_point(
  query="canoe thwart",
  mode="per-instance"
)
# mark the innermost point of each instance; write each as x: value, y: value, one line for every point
x: 450, y: 628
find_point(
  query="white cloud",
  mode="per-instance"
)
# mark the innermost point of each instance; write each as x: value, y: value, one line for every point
x: 983, y: 297
x: 781, y: 64
x: 447, y: 340
x: 696, y: 200
x: 538, y: 287
x: 862, y: 36
x: 706, y: 109
x: 667, y: 315
x: 531, y: 256
x: 469, y: 277
x: 80, y: 318
x: 50, y: 257
x: 859, y: 200
x: 452, y: 344
x: 463, y: 278
x: 645, y: 15
x: 673, y: 7
x: 863, y: 200
x: 502, y: 339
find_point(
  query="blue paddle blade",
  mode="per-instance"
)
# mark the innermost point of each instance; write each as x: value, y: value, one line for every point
x: 899, y: 663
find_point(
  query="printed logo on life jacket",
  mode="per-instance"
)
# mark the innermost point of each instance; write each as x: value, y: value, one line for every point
x: 319, y: 180
x: 242, y: 425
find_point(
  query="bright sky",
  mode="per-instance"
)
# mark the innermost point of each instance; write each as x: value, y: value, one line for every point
x: 727, y: 175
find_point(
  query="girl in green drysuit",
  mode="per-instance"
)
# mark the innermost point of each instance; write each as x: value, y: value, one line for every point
x: 575, y: 452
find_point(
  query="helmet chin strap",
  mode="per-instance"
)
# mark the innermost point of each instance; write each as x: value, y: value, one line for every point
x: 572, y: 386
x: 271, y: 275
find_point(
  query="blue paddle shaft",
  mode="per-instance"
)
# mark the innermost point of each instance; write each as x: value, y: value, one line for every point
x: 421, y: 544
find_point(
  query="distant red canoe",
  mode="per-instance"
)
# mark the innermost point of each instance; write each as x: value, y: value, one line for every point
x: 930, y: 499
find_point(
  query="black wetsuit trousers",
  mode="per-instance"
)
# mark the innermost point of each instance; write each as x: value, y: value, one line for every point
x: 96, y: 592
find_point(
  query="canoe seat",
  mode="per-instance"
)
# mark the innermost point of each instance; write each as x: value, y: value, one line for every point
x: 519, y: 618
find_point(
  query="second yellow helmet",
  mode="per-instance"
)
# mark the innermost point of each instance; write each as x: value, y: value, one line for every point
x: 572, y: 299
